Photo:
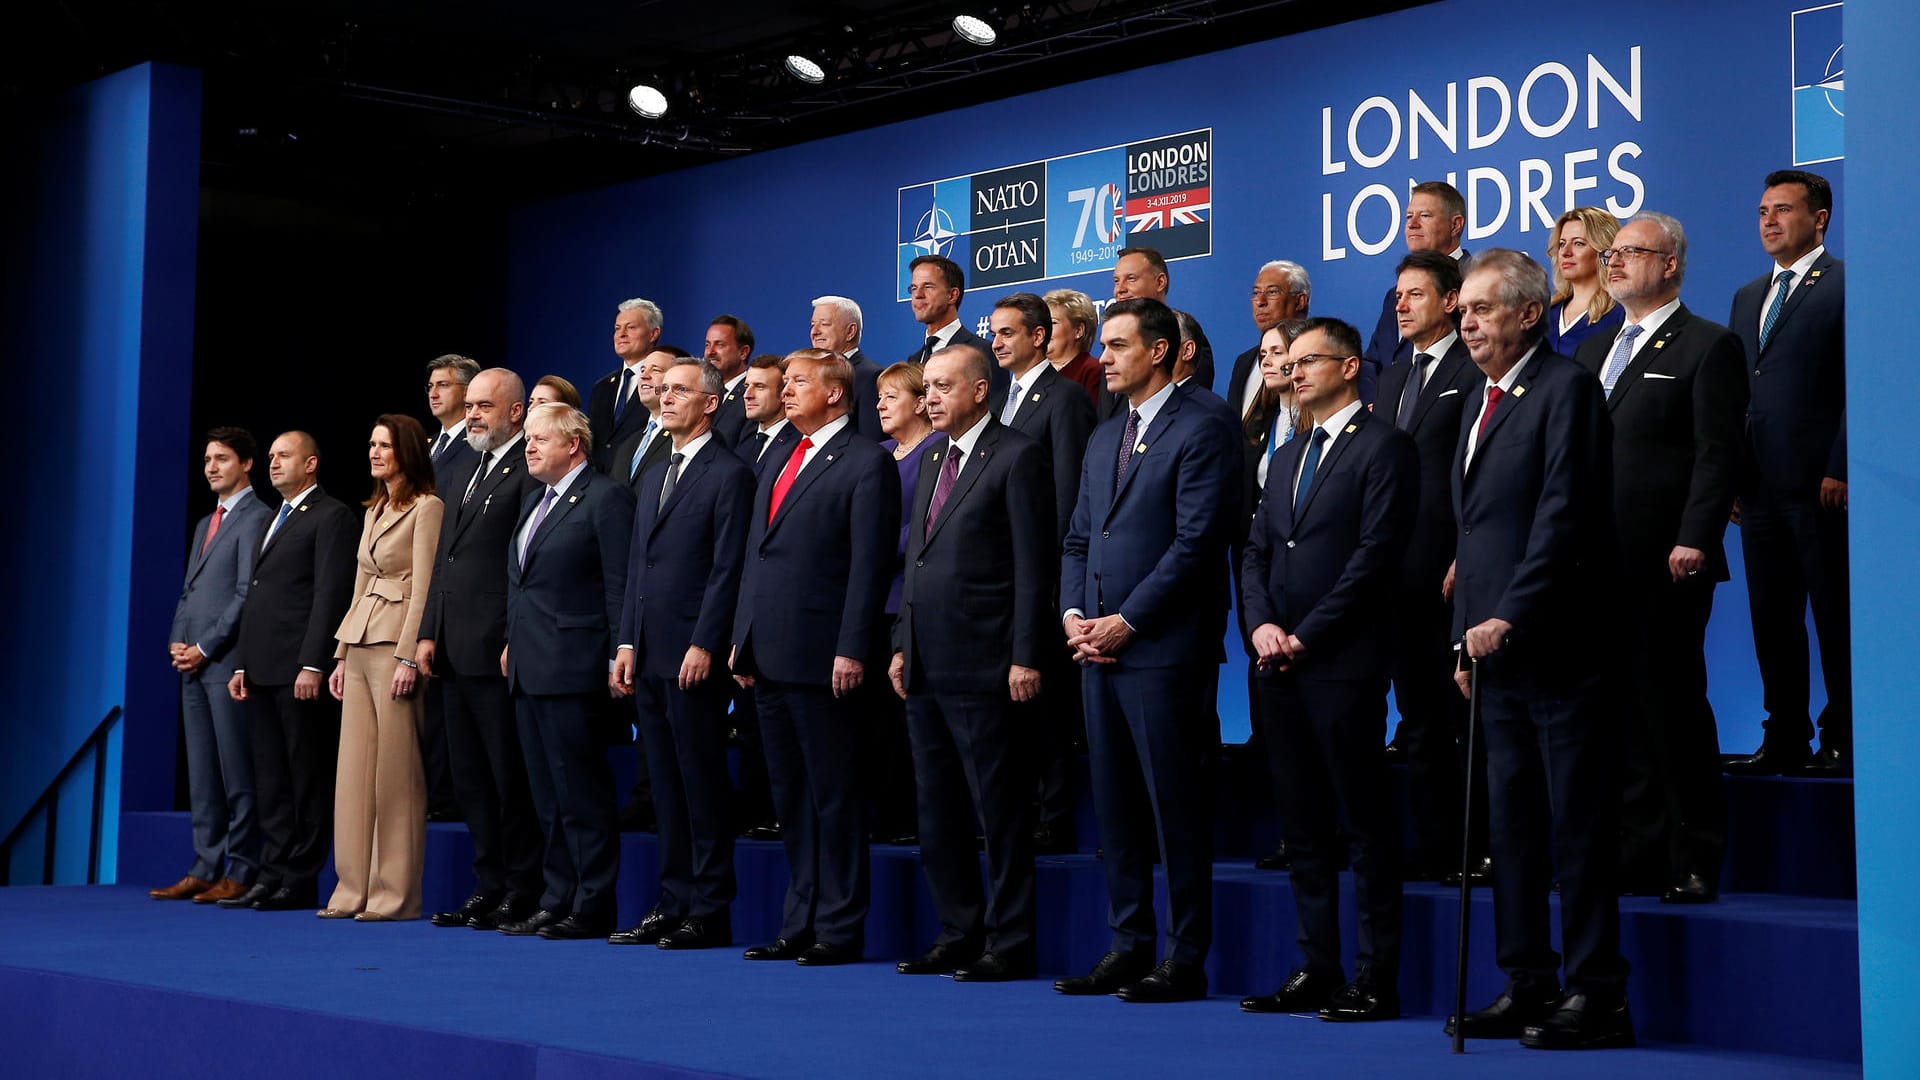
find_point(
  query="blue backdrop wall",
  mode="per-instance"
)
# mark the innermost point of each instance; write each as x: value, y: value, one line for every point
x: 1311, y: 143
x: 100, y: 220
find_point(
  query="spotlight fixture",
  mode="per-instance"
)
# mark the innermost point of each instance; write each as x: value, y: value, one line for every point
x: 975, y: 30
x: 805, y: 70
x: 647, y: 101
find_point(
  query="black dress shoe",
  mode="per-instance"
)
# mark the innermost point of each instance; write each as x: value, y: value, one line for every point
x: 254, y: 894
x: 1509, y: 1014
x: 826, y: 954
x: 764, y: 832
x: 1054, y: 838
x: 1692, y: 889
x: 1304, y: 992
x: 701, y: 932
x: 1277, y: 859
x: 288, y: 898
x: 943, y: 959
x: 474, y: 905
x: 578, y: 927
x: 1394, y: 753
x: 1480, y: 874
x: 530, y: 925
x: 778, y: 949
x: 1582, y: 1024
x: 1113, y: 971
x: 1000, y: 967
x: 1829, y: 762
x: 1171, y: 981
x: 1772, y: 759
x: 511, y: 910
x: 656, y: 925
x: 1362, y: 1000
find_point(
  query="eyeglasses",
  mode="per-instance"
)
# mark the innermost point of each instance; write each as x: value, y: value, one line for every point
x: 1314, y: 358
x: 680, y: 391
x: 1272, y: 293
x: 1607, y: 254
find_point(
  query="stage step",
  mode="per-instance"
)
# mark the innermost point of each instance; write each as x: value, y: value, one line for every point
x: 1760, y: 973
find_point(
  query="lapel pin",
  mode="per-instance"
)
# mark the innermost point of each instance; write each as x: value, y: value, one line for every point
x: 573, y: 499
x: 1519, y: 390
x: 936, y: 455
x: 1813, y: 274
x: 303, y: 508
x: 1141, y: 449
x: 1351, y: 428
x: 1661, y: 344
x: 829, y: 457
x: 1035, y: 397
x: 506, y: 470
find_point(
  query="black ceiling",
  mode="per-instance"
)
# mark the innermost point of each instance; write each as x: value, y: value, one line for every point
x: 490, y: 102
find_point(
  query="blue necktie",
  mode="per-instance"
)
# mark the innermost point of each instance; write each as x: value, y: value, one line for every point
x: 641, y: 450
x: 1013, y: 404
x: 1779, y: 301
x: 620, y: 395
x: 1622, y: 352
x: 1306, y: 470
x: 278, y: 520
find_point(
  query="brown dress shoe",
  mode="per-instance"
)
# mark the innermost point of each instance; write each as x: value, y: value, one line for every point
x: 226, y: 890
x: 186, y: 888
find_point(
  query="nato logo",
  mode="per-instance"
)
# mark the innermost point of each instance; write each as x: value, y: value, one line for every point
x: 1819, y: 86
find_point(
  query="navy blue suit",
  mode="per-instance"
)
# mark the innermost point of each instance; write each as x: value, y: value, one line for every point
x: 1153, y: 549
x: 1386, y: 347
x: 1327, y: 576
x: 998, y: 379
x: 866, y: 395
x: 452, y: 466
x: 755, y: 793
x: 683, y: 582
x: 608, y: 434
x: 815, y: 587
x: 1677, y: 410
x: 1536, y: 548
x: 1794, y: 549
x: 730, y: 423
x: 974, y: 602
x: 562, y: 609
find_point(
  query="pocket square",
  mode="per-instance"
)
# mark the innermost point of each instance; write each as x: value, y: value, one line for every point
x: 1656, y: 375
x: 1448, y: 393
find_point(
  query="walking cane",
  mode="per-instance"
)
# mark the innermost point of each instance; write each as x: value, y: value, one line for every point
x: 1466, y: 860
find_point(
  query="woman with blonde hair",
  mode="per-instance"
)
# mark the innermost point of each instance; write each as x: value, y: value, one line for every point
x: 1581, y: 306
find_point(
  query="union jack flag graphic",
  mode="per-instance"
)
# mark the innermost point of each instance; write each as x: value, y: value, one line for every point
x: 1170, y: 210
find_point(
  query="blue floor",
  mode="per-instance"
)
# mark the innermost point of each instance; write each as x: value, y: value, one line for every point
x: 100, y: 981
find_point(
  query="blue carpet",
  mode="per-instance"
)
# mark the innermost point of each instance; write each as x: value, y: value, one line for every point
x: 103, y: 982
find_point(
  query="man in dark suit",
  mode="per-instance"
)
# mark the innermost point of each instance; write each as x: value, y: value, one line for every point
x: 935, y: 286
x: 453, y: 461
x: 1143, y: 581
x: 226, y: 838
x: 1318, y: 586
x: 616, y: 414
x: 837, y: 328
x: 1055, y: 413
x: 1534, y: 561
x: 566, y: 580
x: 1436, y: 220
x: 1141, y: 272
x: 1281, y: 291
x: 302, y: 581
x: 1424, y: 398
x: 1793, y: 502
x: 765, y: 449
x: 683, y: 583
x: 462, y: 631
x: 971, y: 642
x: 729, y: 348
x: 818, y: 566
x: 1677, y: 398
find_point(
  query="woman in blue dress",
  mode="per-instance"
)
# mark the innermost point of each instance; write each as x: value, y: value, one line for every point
x: 1581, y: 307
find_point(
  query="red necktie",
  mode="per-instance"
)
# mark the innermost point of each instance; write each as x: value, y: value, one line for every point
x: 213, y: 528
x: 787, y: 474
x: 1494, y: 394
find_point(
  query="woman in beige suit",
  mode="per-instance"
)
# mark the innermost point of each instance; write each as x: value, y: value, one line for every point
x: 380, y: 794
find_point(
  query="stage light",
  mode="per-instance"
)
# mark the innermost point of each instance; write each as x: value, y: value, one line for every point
x: 647, y: 101
x: 975, y: 30
x: 805, y: 70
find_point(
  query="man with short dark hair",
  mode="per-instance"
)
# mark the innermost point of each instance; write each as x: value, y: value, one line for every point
x: 729, y: 346
x: 1793, y: 504
x: 935, y: 286
x: 453, y: 461
x: 1436, y: 219
x: 1143, y: 584
x: 302, y: 582
x: 1142, y: 272
x: 226, y: 839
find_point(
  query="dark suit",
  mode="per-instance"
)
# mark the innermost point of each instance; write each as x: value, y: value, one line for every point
x: 1327, y: 575
x: 730, y: 423
x: 861, y: 406
x: 1386, y: 347
x: 642, y: 711
x: 226, y: 837
x: 451, y: 467
x: 683, y: 584
x: 974, y: 603
x: 1433, y: 716
x: 755, y: 791
x: 300, y: 587
x: 998, y: 379
x: 1243, y: 367
x: 774, y: 456
x: 1536, y: 548
x: 562, y: 608
x: 607, y: 434
x: 1795, y: 550
x: 1677, y: 411
x: 466, y: 616
x: 1153, y: 549
x: 1202, y: 377
x: 815, y: 587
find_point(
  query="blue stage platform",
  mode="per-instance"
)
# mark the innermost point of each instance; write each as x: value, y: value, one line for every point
x: 102, y: 982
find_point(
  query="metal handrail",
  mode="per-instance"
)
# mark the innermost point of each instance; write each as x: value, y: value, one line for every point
x: 95, y: 746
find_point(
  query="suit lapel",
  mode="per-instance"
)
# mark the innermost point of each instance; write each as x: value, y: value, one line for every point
x: 562, y: 506
x: 1510, y: 402
x: 970, y: 470
x: 819, y: 460
x: 689, y: 479
x: 1820, y: 268
x: 1444, y: 371
x: 1330, y: 462
x: 1028, y: 417
x: 1631, y: 375
x: 1168, y: 416
x: 295, y: 520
